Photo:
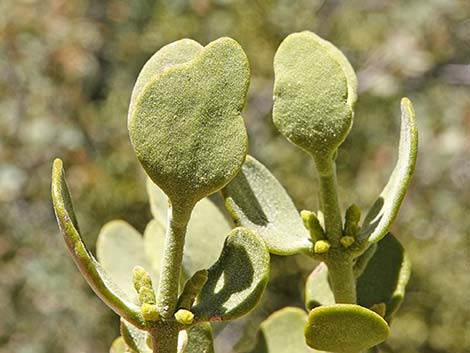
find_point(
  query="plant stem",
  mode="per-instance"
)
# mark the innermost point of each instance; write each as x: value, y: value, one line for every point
x: 165, y: 339
x: 342, y: 279
x: 329, y: 201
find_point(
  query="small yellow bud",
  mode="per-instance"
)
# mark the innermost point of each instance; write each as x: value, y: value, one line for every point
x: 322, y: 246
x: 312, y: 223
x: 146, y: 295
x: 352, y: 219
x: 184, y: 317
x: 149, y: 312
x: 140, y: 278
x: 347, y: 241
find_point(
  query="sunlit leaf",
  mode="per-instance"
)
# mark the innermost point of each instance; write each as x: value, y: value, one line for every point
x: 344, y: 328
x: 237, y: 280
x: 91, y: 270
x: 385, y: 277
x: 185, y: 125
x: 317, y: 288
x: 119, y: 249
x: 282, y: 332
x: 314, y: 93
x: 379, y: 219
x: 256, y: 200
x: 118, y: 346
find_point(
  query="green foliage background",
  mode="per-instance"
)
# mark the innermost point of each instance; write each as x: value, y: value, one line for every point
x: 66, y: 73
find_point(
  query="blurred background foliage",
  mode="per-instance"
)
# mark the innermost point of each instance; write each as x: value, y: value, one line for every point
x: 67, y: 68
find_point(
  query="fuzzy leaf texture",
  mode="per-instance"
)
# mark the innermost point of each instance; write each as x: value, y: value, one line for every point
x: 282, y: 332
x: 119, y: 249
x: 314, y: 93
x: 385, y: 209
x: 344, y: 328
x: 256, y: 200
x: 91, y: 270
x: 237, y: 280
x: 185, y: 123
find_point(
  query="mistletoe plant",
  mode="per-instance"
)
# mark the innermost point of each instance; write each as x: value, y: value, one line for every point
x: 186, y: 128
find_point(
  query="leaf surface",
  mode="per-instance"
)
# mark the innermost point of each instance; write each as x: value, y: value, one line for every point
x: 119, y: 249
x: 282, y: 332
x: 344, y: 328
x: 200, y: 339
x: 317, y: 288
x: 185, y: 125
x: 237, y: 280
x: 256, y: 200
x: 314, y: 93
x: 385, y: 209
x: 385, y: 278
x: 91, y: 270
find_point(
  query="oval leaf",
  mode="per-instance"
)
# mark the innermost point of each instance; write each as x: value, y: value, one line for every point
x: 237, y: 280
x: 344, y: 328
x: 282, y: 332
x: 256, y: 200
x: 380, y: 217
x: 91, y: 270
x: 119, y: 249
x: 154, y: 242
x: 200, y: 339
x: 314, y: 93
x: 385, y: 277
x: 317, y: 288
x: 186, y: 126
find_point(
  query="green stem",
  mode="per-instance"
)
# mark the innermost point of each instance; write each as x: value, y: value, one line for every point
x: 329, y: 201
x: 342, y: 279
x: 165, y: 338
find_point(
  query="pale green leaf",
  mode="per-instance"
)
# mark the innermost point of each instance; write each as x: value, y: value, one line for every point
x: 134, y: 338
x: 314, y: 93
x: 385, y: 209
x: 154, y: 242
x: 119, y: 249
x: 256, y: 200
x: 172, y: 54
x: 91, y: 270
x: 186, y: 126
x: 344, y: 328
x: 317, y: 288
x: 385, y: 278
x: 282, y: 332
x: 158, y: 202
x: 200, y: 339
x: 118, y: 346
x: 237, y: 280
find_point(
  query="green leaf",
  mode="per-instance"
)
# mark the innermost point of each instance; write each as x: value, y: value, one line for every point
x: 185, y: 124
x: 344, y: 328
x: 317, y: 288
x: 172, y: 54
x: 200, y: 339
x: 256, y: 200
x: 135, y: 339
x: 205, y: 234
x: 154, y: 241
x: 282, y: 332
x: 91, y: 270
x: 118, y: 346
x: 314, y: 94
x: 380, y: 217
x: 385, y: 277
x: 119, y: 249
x: 237, y: 280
